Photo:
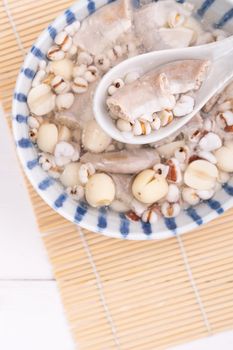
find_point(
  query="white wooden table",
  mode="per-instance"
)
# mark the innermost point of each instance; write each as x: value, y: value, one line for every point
x: 31, y: 313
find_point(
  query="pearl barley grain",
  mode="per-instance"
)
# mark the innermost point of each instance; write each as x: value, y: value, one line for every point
x: 55, y: 53
x: 150, y: 216
x: 80, y: 85
x: 59, y: 85
x: 111, y: 90
x: 173, y: 194
x: 33, y: 123
x: 190, y: 196
x: 91, y: 74
x: 156, y: 123
x: 118, y: 83
x: 102, y: 62
x: 170, y: 210
x: 64, y: 41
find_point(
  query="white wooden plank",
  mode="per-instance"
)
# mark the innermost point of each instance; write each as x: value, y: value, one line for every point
x: 22, y: 254
x: 216, y: 342
x: 32, y: 318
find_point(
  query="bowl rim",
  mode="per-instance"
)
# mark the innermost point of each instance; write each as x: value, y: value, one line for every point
x: 167, y: 232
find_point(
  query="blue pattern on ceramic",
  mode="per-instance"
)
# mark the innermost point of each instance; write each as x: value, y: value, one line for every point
x: 46, y: 183
x: 146, y: 227
x: 81, y: 211
x: 52, y: 32
x: 215, y: 205
x: 24, y: 143
x: 29, y: 73
x: 228, y: 189
x: 204, y: 7
x: 21, y: 118
x: 102, y: 221
x: 91, y: 6
x: 108, y: 222
x: 70, y: 16
x: 60, y: 200
x: 20, y: 97
x: 224, y: 19
x: 171, y: 224
x: 37, y: 53
x: 32, y: 163
x: 191, y: 212
x: 124, y: 225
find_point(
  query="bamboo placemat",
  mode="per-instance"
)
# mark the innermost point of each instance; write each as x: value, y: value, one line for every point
x: 122, y: 294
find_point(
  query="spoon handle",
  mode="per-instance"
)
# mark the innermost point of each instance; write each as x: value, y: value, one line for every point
x: 220, y: 48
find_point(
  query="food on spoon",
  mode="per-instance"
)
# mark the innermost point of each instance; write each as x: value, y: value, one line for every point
x: 151, y: 97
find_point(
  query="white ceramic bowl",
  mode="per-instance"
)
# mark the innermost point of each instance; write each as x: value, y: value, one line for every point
x: 215, y: 13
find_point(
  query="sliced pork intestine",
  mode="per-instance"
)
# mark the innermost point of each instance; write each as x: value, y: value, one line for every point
x: 156, y: 14
x: 123, y: 193
x: 146, y: 95
x: 81, y: 110
x: 150, y: 18
x: 170, y: 38
x: 123, y: 162
x: 102, y: 29
x: 185, y: 75
x: 155, y: 90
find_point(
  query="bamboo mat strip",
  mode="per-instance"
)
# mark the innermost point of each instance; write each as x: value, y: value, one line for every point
x: 120, y: 294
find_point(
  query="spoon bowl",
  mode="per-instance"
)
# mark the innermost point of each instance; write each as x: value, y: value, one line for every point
x: 220, y: 54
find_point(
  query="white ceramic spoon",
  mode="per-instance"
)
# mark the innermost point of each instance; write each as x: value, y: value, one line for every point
x: 220, y: 73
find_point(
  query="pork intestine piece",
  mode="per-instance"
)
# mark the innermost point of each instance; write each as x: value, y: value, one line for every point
x: 123, y: 185
x: 150, y: 18
x: 173, y: 38
x: 185, y: 75
x: 81, y: 110
x: 102, y: 29
x: 146, y: 95
x: 154, y: 91
x: 123, y: 162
